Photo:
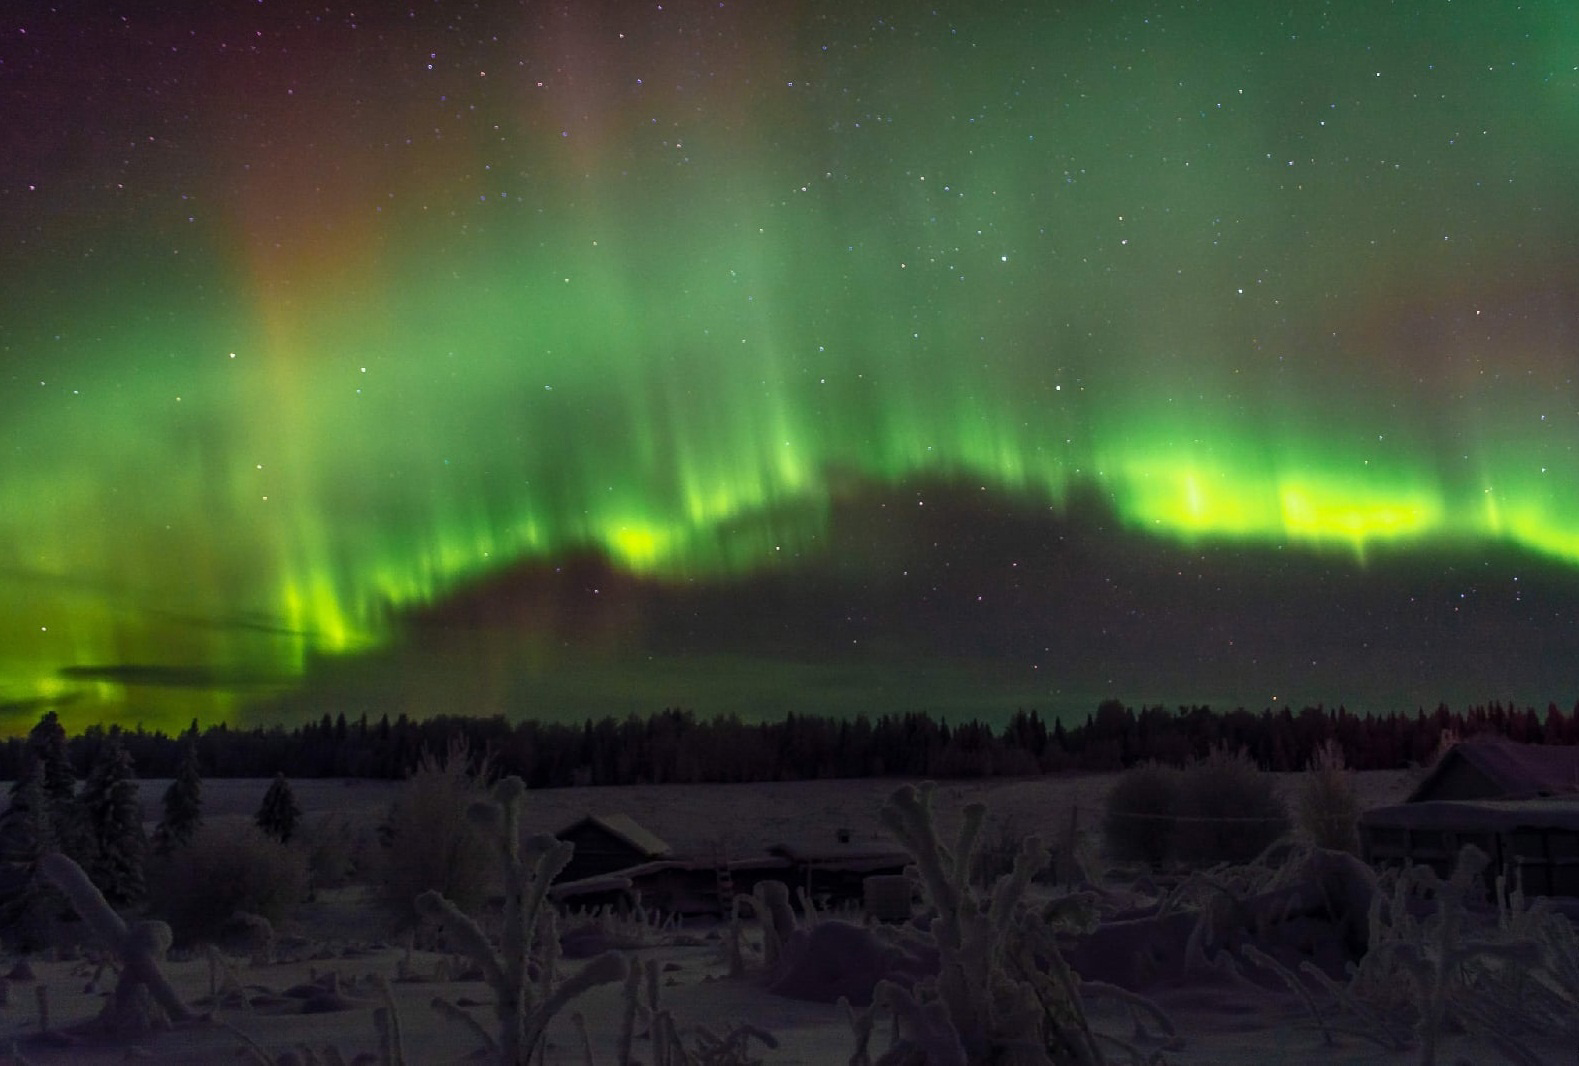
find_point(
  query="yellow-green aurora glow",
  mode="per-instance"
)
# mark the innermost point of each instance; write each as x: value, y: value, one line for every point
x: 310, y: 318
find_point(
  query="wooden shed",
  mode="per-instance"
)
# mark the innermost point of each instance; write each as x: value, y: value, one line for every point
x: 835, y: 870
x: 1534, y: 841
x: 607, y: 843
x: 671, y: 886
x: 1492, y: 767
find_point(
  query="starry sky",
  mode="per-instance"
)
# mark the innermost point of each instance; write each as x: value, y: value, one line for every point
x: 554, y: 359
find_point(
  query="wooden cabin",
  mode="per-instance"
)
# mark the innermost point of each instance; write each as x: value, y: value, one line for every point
x: 672, y: 886
x: 608, y: 843
x: 1492, y: 767
x: 834, y: 870
x: 1518, y: 803
x: 1535, y: 842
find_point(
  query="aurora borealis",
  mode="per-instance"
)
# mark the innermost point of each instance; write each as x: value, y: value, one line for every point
x: 322, y: 328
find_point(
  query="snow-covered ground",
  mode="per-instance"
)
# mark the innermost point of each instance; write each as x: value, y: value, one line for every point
x: 1218, y: 1022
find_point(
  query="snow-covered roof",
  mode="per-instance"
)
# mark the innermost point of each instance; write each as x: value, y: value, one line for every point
x: 625, y: 828
x: 852, y: 854
x: 1491, y: 816
x: 626, y: 878
x: 1519, y: 770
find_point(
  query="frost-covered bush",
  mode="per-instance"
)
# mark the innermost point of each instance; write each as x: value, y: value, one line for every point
x: 225, y: 869
x: 430, y: 844
x: 995, y: 852
x: 1002, y: 991
x: 1326, y: 806
x: 1440, y: 966
x: 1231, y: 811
x: 836, y: 959
x: 522, y: 967
x: 339, y: 850
x: 1138, y: 821
x: 1218, y: 809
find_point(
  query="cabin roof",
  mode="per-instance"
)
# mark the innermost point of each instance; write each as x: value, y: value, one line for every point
x: 834, y: 853
x: 1496, y: 816
x: 626, y: 829
x: 1521, y: 771
x: 626, y: 878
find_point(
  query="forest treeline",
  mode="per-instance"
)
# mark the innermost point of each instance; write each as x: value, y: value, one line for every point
x: 674, y: 746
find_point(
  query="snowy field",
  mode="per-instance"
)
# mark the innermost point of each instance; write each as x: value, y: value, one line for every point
x: 336, y: 941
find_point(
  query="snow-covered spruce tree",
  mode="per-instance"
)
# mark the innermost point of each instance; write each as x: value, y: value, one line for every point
x: 183, y: 805
x: 115, y: 824
x: 47, y: 741
x: 27, y: 904
x: 279, y: 815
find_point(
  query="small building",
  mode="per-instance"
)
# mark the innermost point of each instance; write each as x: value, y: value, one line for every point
x: 618, y: 863
x: 835, y: 869
x: 1535, y: 842
x: 1518, y: 803
x: 672, y: 886
x: 1492, y: 767
x: 608, y: 843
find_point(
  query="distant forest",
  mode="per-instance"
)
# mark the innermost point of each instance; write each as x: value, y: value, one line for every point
x: 675, y: 746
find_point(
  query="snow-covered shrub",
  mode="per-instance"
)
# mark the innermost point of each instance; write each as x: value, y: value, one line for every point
x: 225, y: 869
x: 338, y: 850
x: 1138, y: 821
x: 429, y: 843
x: 1077, y: 854
x: 1002, y: 991
x: 1440, y: 963
x: 836, y: 959
x: 707, y: 1047
x: 1309, y: 906
x: 1327, y: 807
x: 997, y: 848
x: 1231, y: 810
x: 143, y: 998
x: 523, y: 970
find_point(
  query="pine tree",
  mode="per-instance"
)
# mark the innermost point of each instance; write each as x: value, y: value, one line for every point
x: 26, y: 902
x: 47, y: 742
x: 183, y: 806
x: 115, y: 824
x: 279, y: 814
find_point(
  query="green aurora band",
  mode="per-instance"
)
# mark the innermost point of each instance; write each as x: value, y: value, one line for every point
x: 363, y: 315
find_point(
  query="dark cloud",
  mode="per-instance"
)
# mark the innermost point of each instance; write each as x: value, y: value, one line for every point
x: 158, y: 675
x: 267, y: 625
x: 979, y: 603
x: 25, y: 710
x: 128, y: 598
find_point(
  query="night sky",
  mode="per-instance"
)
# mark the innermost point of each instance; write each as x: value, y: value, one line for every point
x: 583, y: 358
